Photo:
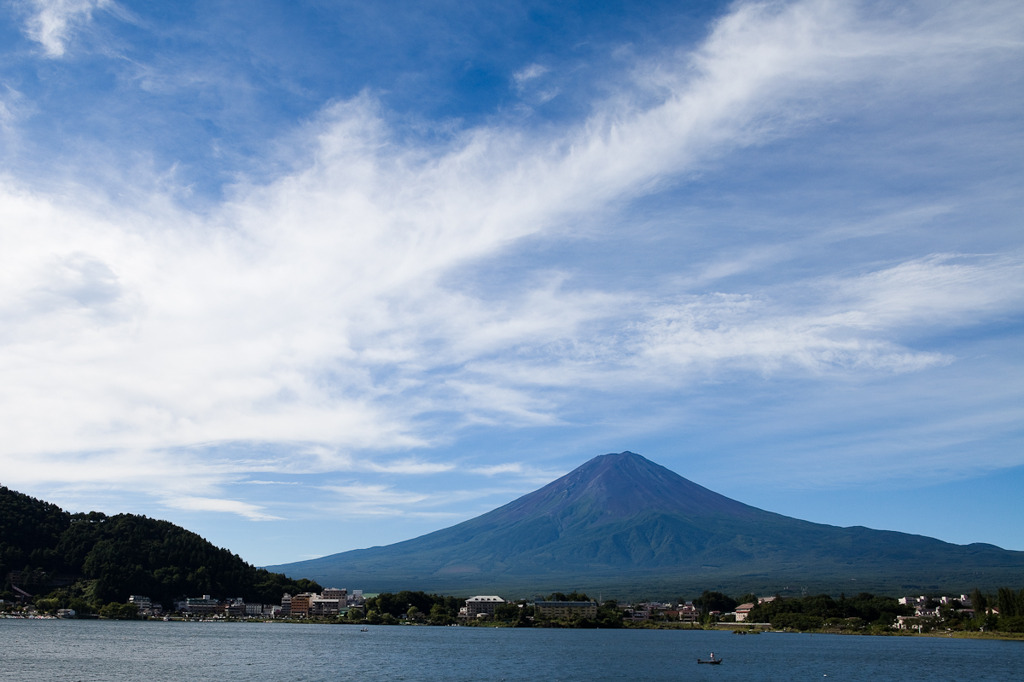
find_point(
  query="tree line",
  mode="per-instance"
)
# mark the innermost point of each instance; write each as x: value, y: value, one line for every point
x: 85, y: 561
x: 817, y: 612
x: 434, y: 609
x: 1002, y: 612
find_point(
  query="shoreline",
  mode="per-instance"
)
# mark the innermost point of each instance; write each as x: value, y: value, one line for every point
x: 761, y: 628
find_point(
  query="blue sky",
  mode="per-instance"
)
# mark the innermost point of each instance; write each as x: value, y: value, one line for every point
x: 313, y: 276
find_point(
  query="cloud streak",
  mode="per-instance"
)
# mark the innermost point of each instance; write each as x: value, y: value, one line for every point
x: 52, y: 23
x: 244, y: 509
x: 374, y: 298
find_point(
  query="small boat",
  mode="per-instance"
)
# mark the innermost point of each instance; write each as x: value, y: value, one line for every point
x: 711, y: 660
x: 364, y: 629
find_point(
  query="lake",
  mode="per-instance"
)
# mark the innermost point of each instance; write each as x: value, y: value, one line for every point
x: 124, y: 650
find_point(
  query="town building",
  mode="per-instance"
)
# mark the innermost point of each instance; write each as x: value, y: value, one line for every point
x: 482, y: 606
x: 144, y: 604
x: 302, y: 604
x: 335, y: 593
x: 236, y: 609
x: 321, y: 606
x: 202, y: 606
x: 688, y: 612
x: 743, y: 611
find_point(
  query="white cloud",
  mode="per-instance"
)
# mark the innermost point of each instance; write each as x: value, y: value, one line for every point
x: 373, y: 500
x: 530, y: 83
x: 53, y: 22
x: 14, y: 107
x: 940, y: 289
x: 411, y: 466
x: 210, y: 504
x: 529, y: 73
x: 813, y: 327
x: 843, y: 322
x: 327, y: 307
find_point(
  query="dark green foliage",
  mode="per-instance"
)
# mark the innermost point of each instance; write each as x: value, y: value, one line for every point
x: 1011, y: 624
x: 714, y: 601
x: 813, y: 612
x: 116, y: 556
x: 508, y: 612
x: 1010, y: 603
x: 572, y: 596
x: 436, y: 609
x: 29, y: 532
x: 47, y: 605
x: 797, y: 621
x: 118, y: 611
x: 979, y: 601
x: 609, y: 615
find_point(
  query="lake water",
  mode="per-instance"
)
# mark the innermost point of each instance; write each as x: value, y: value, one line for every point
x: 113, y: 650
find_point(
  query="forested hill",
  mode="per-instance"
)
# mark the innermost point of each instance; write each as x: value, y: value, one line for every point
x: 101, y: 559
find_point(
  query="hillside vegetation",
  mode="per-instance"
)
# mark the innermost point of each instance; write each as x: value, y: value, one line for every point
x: 92, y: 559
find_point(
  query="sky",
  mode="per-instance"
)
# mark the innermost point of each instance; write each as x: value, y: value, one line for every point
x: 317, y: 275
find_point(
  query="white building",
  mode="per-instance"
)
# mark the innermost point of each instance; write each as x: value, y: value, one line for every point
x: 482, y: 606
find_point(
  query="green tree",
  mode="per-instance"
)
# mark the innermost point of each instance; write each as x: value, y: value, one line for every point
x: 714, y: 601
x: 1009, y: 603
x: 797, y: 621
x: 508, y: 612
x: 439, y: 615
x: 609, y: 615
x: 979, y: 602
x: 1011, y: 624
x: 81, y: 606
x: 117, y: 611
x: 47, y: 605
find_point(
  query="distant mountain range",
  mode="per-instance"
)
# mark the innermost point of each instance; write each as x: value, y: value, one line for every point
x: 624, y: 526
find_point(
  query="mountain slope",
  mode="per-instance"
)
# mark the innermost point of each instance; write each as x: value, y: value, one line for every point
x: 621, y: 523
x: 108, y: 558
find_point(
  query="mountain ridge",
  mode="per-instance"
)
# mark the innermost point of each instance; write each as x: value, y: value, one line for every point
x: 94, y: 558
x: 621, y: 522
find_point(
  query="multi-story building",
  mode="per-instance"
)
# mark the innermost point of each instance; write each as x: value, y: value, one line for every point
x: 301, y: 604
x: 144, y: 604
x: 688, y: 612
x: 236, y: 609
x: 482, y: 606
x: 743, y: 611
x: 202, y: 605
x: 321, y: 606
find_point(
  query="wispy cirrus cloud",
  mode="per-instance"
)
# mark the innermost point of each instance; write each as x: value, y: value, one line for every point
x: 365, y: 293
x: 249, y: 511
x: 52, y: 23
x: 342, y: 275
x: 529, y: 73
